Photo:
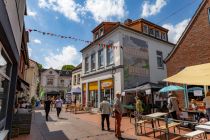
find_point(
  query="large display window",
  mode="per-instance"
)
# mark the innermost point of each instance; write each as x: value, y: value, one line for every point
x: 107, y: 90
x: 93, y: 94
x: 5, y: 73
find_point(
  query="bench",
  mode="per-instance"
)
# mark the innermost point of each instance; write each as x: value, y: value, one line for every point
x: 165, y: 128
x: 194, y: 134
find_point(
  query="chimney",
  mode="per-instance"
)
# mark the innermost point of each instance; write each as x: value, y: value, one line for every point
x: 127, y: 21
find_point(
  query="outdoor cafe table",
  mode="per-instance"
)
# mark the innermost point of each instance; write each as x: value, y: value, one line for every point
x: 204, y: 127
x: 154, y: 116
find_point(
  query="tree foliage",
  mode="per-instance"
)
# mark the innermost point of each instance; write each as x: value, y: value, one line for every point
x: 68, y: 67
x: 40, y: 66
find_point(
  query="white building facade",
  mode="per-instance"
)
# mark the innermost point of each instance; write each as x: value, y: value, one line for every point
x: 133, y: 59
x: 55, y: 82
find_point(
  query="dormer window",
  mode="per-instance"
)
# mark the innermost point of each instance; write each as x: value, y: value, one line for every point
x: 50, y: 72
x: 96, y: 35
x: 151, y: 32
x: 101, y: 32
x: 145, y: 29
x: 164, y: 36
x: 157, y: 34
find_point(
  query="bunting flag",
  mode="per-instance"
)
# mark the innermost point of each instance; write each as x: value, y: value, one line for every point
x: 72, y: 38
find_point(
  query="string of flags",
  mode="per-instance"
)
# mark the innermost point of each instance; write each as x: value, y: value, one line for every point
x: 73, y: 38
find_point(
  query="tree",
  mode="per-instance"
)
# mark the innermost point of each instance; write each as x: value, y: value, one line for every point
x: 68, y: 67
x: 40, y: 66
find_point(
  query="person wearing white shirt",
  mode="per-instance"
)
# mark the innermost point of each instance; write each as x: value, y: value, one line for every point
x: 58, y: 105
x: 206, y: 101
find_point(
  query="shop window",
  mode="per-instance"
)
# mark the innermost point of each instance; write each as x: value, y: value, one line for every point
x: 86, y: 64
x: 209, y: 14
x: 100, y: 58
x: 5, y: 72
x: 151, y: 32
x: 157, y: 34
x: 110, y: 56
x: 159, y: 59
x: 145, y: 29
x: 164, y: 36
x: 93, y: 61
x: 49, y: 81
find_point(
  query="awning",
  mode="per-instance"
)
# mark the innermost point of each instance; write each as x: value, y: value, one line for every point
x: 143, y: 87
x: 193, y: 75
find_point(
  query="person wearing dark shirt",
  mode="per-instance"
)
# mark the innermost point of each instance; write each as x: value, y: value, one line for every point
x: 47, y: 104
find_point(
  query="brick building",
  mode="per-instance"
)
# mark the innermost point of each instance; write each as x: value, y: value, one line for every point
x: 193, y: 47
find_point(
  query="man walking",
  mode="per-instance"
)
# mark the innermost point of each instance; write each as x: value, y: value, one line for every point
x: 118, y: 114
x: 173, y: 106
x: 58, y: 105
x: 47, y: 104
x: 105, y: 109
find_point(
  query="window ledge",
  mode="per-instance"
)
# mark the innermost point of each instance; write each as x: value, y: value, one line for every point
x: 102, y: 67
x: 109, y: 65
x: 161, y: 68
x: 3, y: 134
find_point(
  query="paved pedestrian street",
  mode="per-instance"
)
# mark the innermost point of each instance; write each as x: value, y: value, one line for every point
x: 67, y: 127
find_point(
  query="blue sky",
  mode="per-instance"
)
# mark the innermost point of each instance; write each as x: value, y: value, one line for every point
x: 78, y: 17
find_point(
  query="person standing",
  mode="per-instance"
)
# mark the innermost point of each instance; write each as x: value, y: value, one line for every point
x: 47, y: 105
x: 105, y: 109
x: 58, y: 105
x: 173, y: 106
x: 118, y: 114
x: 139, y: 107
x: 206, y: 101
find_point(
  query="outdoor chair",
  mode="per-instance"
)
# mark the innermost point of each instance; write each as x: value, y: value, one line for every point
x: 198, y: 133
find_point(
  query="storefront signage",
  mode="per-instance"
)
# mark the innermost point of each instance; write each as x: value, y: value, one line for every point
x: 198, y: 93
x: 106, y: 84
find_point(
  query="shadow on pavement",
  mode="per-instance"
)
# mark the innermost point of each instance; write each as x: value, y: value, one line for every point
x: 41, y: 124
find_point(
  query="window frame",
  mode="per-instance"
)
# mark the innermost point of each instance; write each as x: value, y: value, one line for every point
x: 157, y: 31
x: 78, y: 78
x: 87, y: 64
x: 100, y: 57
x: 145, y: 31
x: 93, y: 57
x: 153, y: 32
x: 163, y: 36
x: 159, y: 56
x: 107, y: 59
x: 47, y: 82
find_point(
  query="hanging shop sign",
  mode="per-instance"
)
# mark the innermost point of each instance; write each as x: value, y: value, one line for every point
x: 93, y: 86
x: 198, y: 93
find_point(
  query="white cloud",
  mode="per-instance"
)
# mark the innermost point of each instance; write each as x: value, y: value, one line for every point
x: 29, y: 51
x: 103, y: 10
x: 68, y: 55
x: 66, y: 7
x: 175, y: 31
x: 149, y: 9
x: 37, y: 41
x: 31, y: 13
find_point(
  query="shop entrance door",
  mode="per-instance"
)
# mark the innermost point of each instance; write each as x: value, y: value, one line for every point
x: 93, y: 98
x: 109, y: 93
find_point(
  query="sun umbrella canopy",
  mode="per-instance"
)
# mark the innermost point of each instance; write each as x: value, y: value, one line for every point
x: 171, y: 88
x: 192, y: 75
x: 194, y: 88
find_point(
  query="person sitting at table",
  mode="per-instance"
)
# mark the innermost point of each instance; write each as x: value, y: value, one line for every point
x: 173, y: 106
x: 206, y: 101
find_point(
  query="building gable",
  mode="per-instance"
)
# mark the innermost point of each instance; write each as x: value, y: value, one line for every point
x: 193, y: 46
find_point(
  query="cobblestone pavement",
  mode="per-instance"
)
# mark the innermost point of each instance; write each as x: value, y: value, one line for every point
x: 67, y: 127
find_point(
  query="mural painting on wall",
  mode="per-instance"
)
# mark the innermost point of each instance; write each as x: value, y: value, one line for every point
x: 136, y: 61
